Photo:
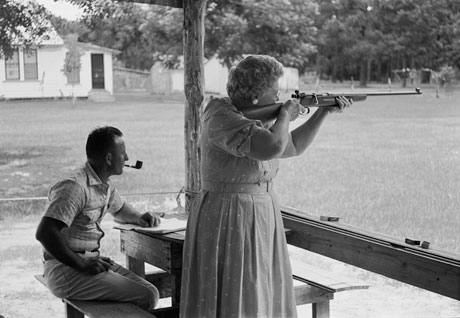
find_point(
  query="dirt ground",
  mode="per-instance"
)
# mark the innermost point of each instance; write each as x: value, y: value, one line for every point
x: 22, y: 296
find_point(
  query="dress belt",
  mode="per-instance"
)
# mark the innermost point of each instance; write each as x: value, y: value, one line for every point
x: 262, y: 187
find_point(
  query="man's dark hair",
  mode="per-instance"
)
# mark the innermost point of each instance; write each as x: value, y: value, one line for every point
x: 101, y: 141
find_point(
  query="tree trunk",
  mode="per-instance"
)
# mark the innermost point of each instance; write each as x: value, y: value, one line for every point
x: 378, y: 70
x: 368, y: 70
x: 194, y: 14
x: 334, y: 70
x: 404, y: 73
x: 390, y: 67
x: 341, y: 70
x: 363, y: 73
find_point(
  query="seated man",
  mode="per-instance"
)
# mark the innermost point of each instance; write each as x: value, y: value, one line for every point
x: 70, y: 229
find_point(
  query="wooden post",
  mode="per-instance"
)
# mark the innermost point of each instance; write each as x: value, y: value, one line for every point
x: 71, y: 312
x: 135, y: 266
x: 321, y: 310
x: 194, y: 14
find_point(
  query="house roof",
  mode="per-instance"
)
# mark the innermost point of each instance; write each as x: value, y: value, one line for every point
x: 51, y: 37
x: 89, y: 46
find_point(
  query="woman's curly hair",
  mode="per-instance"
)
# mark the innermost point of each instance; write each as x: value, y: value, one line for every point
x: 252, y: 76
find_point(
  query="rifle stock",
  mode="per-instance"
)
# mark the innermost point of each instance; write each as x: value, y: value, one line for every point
x: 270, y: 112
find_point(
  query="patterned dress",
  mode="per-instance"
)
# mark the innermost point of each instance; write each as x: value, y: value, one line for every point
x: 236, y: 262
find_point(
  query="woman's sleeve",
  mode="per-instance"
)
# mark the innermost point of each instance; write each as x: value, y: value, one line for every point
x: 232, y: 132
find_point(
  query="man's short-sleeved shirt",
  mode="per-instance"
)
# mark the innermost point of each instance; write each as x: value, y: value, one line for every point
x: 81, y: 201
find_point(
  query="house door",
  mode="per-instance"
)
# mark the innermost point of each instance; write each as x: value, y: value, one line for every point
x: 97, y: 70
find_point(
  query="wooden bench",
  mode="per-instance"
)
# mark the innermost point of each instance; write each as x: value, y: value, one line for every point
x: 100, y: 309
x: 315, y: 286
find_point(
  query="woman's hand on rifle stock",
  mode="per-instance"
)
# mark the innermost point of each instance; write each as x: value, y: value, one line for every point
x: 293, y: 108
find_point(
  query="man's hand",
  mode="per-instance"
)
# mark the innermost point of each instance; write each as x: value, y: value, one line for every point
x: 95, y: 265
x: 150, y: 219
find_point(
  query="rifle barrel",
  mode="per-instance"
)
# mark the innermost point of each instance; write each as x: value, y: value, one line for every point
x: 315, y: 100
x: 417, y: 91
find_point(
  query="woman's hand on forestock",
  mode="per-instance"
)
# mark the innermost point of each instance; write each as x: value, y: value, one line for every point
x: 293, y: 108
x: 342, y: 103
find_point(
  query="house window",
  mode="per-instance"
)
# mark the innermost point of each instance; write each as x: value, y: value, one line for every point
x: 73, y: 77
x: 12, y: 66
x: 30, y: 64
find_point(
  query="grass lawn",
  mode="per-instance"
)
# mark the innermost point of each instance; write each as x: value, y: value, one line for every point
x: 389, y: 164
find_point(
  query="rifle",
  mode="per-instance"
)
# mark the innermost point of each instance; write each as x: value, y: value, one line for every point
x: 270, y: 112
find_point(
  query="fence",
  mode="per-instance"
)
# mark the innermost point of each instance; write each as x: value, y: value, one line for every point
x: 125, y: 79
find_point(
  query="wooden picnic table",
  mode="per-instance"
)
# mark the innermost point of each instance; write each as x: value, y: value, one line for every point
x: 163, y: 251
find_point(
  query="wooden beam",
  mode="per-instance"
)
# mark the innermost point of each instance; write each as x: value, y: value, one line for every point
x: 194, y: 15
x: 306, y: 294
x: 433, y: 270
x: 168, y: 3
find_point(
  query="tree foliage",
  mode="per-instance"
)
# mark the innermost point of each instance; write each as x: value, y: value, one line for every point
x: 233, y: 28
x: 284, y: 29
x: 338, y: 38
x: 389, y: 35
x: 119, y: 26
x: 21, y: 23
x: 143, y: 35
x: 72, y: 61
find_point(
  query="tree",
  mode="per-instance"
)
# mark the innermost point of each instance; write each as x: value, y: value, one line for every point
x: 144, y: 34
x: 331, y: 43
x: 65, y: 27
x: 387, y: 35
x: 21, y: 24
x: 72, y: 61
x: 341, y: 38
x: 164, y: 27
x: 349, y: 38
x: 281, y: 28
x: 118, y: 25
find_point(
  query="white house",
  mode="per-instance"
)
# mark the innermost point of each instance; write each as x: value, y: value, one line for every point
x: 36, y: 72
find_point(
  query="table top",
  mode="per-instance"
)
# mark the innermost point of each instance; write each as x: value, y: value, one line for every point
x: 175, y: 237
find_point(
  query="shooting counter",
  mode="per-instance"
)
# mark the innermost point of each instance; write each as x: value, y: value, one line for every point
x: 430, y: 269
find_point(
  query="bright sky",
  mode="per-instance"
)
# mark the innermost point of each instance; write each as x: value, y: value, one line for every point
x: 62, y: 8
